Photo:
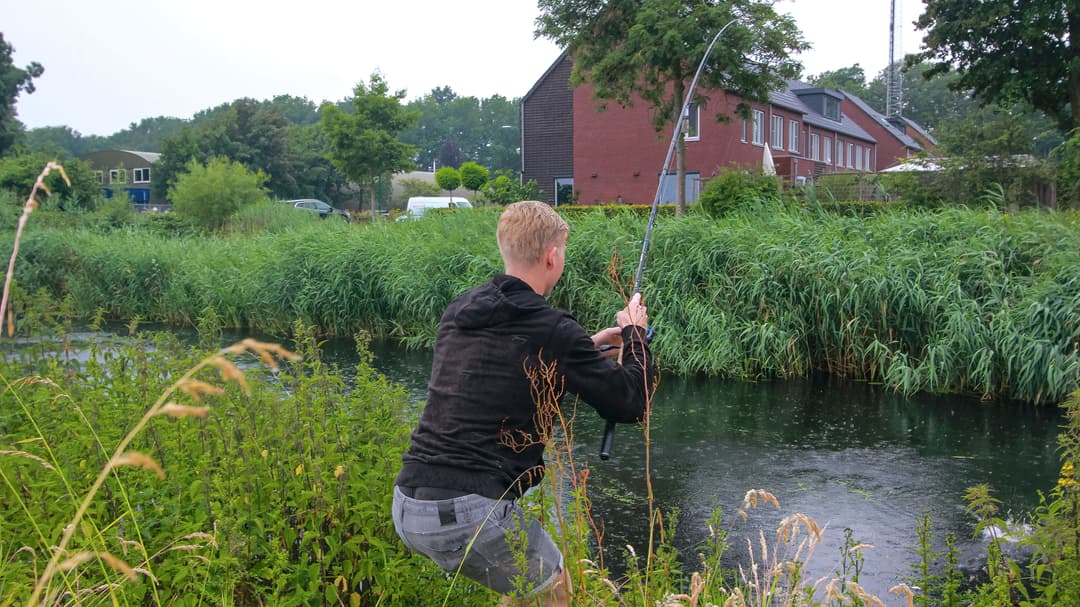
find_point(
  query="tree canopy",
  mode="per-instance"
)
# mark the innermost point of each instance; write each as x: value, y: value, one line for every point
x: 454, y: 129
x: 650, y: 49
x: 13, y: 81
x: 364, y: 144
x: 1007, y: 52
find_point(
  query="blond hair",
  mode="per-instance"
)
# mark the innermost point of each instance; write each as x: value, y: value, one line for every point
x: 527, y: 229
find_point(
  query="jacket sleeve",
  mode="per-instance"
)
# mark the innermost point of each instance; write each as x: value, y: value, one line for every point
x: 618, y: 392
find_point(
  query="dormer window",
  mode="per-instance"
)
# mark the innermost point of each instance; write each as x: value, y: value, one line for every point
x: 832, y: 108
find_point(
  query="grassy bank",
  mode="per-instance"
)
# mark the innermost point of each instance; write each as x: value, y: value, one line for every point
x: 957, y: 300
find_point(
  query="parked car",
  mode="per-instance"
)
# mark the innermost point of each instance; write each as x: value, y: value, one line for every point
x: 418, y: 205
x: 317, y: 206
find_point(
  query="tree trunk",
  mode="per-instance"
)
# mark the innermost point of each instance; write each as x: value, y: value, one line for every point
x: 374, y: 213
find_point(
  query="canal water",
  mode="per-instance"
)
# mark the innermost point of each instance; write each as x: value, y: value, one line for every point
x: 849, y: 455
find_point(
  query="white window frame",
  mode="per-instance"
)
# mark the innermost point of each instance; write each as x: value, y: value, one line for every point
x: 850, y: 153
x: 693, y: 123
x: 815, y: 146
x: 839, y: 152
x: 776, y: 133
x: 100, y: 175
x: 858, y: 157
x: 827, y: 149
x: 868, y: 163
x: 759, y: 127
x: 743, y: 138
x: 140, y: 175
x: 793, y: 136
x: 117, y: 176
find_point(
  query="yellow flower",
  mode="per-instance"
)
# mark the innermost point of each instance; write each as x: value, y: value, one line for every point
x: 1067, y: 478
x: 299, y: 469
x: 265, y: 453
x: 339, y: 471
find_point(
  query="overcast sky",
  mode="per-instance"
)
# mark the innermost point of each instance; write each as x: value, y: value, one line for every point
x: 109, y: 63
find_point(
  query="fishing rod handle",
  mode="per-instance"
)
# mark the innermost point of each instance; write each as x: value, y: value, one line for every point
x: 609, y: 437
x: 609, y: 427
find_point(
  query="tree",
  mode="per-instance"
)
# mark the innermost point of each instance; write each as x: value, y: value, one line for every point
x: 453, y: 129
x: 650, y: 49
x: 473, y: 176
x: 13, y: 81
x: 1007, y: 52
x: 19, y: 171
x: 448, y: 178
x: 364, y: 145
x: 208, y: 194
x: 505, y: 189
x: 848, y: 79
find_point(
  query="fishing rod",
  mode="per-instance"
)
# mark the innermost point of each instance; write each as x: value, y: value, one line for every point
x: 684, y: 114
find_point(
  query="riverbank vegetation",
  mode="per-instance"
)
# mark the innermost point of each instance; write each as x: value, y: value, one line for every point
x: 259, y: 486
x: 952, y: 300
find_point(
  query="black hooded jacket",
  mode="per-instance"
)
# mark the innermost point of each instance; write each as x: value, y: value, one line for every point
x: 499, y: 349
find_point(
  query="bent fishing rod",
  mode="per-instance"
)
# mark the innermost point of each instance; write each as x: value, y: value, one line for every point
x: 684, y: 114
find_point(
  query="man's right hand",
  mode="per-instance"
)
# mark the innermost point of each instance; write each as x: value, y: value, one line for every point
x: 634, y: 313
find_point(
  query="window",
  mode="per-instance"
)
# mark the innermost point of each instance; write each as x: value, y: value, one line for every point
x: 832, y: 108
x: 759, y: 127
x: 815, y: 146
x: 693, y: 123
x: 141, y: 175
x: 858, y: 157
x: 827, y: 148
x: 564, y: 190
x: 100, y: 176
x: 667, y: 188
x: 777, y: 134
x: 850, y: 154
x: 839, y: 152
x: 793, y: 136
x: 869, y: 164
x: 743, y: 138
x: 117, y: 176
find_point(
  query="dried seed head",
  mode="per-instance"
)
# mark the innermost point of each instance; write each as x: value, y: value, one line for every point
x: 31, y: 456
x: 903, y: 590
x: 175, y: 410
x: 119, y: 565
x: 139, y: 460
x: 230, y: 372
x: 196, y: 389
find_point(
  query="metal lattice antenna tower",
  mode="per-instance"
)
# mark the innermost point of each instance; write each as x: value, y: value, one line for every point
x: 894, y: 88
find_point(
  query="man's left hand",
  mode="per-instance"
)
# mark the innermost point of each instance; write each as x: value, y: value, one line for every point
x: 612, y: 336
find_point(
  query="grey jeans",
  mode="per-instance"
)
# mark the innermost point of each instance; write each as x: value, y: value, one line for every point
x: 483, y: 539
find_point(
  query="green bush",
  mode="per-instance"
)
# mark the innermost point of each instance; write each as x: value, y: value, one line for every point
x: 209, y: 194
x: 735, y: 189
x: 18, y: 173
x: 505, y: 189
x: 473, y: 176
x: 448, y: 178
x: 1067, y: 156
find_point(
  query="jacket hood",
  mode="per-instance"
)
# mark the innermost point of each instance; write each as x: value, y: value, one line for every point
x: 502, y: 299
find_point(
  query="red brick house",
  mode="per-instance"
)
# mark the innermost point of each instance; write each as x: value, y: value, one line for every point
x: 573, y: 148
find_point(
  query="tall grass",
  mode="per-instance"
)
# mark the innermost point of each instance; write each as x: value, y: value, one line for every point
x: 956, y: 300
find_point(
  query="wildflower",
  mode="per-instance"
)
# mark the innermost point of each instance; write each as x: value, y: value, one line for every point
x: 1067, y: 477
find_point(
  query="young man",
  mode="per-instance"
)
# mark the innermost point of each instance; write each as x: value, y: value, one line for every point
x: 478, y: 447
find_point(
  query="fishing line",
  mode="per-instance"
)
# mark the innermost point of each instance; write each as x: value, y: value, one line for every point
x: 684, y: 114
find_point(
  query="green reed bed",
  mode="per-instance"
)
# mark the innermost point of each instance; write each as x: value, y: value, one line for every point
x: 957, y: 300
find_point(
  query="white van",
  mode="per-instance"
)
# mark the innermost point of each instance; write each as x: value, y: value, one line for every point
x: 418, y: 205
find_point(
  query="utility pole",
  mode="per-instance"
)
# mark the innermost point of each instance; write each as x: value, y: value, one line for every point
x: 894, y: 88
